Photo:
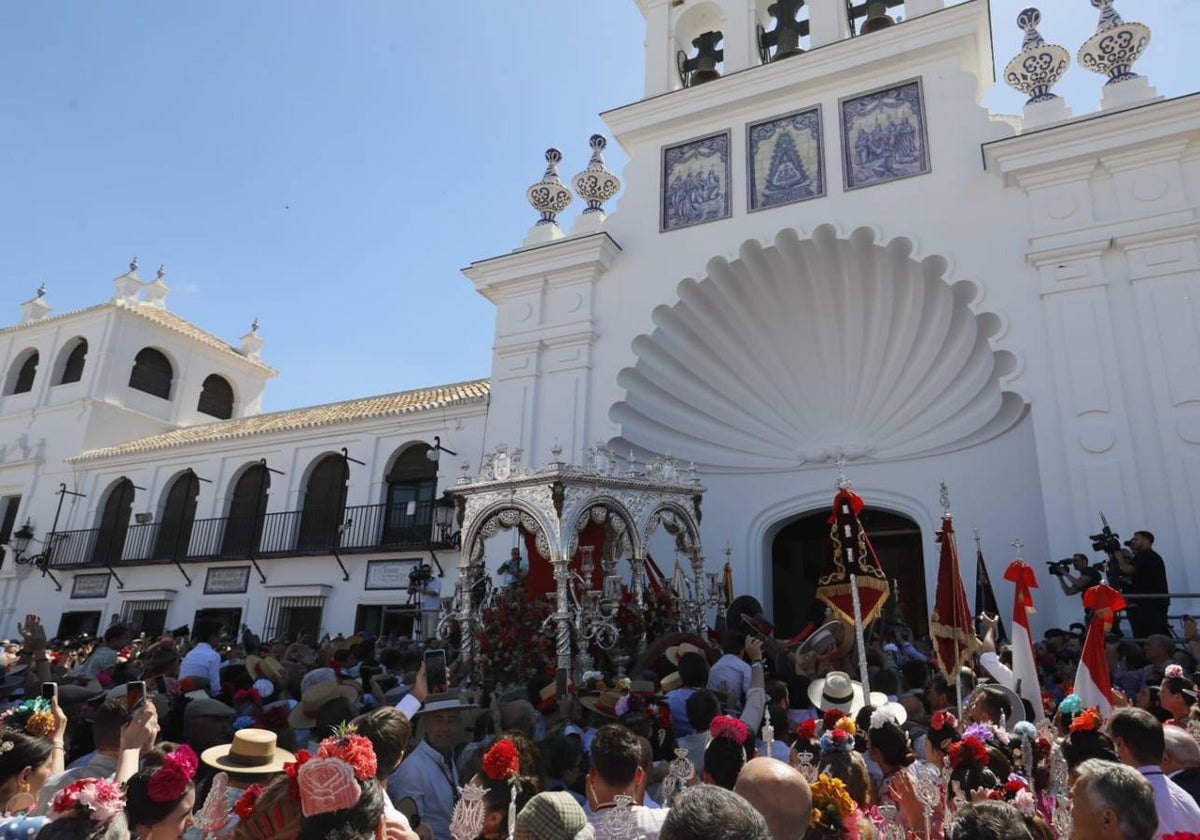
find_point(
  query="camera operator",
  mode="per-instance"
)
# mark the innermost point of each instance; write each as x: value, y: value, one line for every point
x: 1146, y: 575
x: 1088, y: 576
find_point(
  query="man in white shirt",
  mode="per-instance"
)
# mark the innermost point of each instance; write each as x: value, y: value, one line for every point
x: 428, y: 775
x: 617, y: 771
x: 431, y: 604
x: 703, y: 706
x: 203, y: 660
x: 1139, y: 739
x: 730, y: 676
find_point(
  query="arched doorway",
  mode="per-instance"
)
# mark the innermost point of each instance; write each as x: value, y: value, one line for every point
x: 798, y: 552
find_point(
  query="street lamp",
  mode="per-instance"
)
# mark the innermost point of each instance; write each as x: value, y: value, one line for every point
x: 19, y: 543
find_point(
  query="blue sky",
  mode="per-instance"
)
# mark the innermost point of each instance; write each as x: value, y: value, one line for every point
x: 330, y: 166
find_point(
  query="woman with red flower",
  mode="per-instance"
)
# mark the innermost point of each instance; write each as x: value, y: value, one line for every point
x: 506, y: 787
x: 159, y: 800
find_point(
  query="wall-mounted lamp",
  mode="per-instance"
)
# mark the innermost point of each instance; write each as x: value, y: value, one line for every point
x: 435, y: 451
x: 143, y: 518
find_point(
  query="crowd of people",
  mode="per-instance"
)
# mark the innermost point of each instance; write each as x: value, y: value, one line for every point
x: 203, y: 734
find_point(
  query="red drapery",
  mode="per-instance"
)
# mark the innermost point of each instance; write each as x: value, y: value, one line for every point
x: 540, y: 580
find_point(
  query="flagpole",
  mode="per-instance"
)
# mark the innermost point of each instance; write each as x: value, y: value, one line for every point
x: 862, y: 642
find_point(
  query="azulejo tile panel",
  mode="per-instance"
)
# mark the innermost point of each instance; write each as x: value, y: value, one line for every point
x: 696, y: 182
x: 884, y: 135
x: 785, y: 160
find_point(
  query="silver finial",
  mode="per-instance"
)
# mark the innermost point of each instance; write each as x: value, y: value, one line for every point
x: 843, y: 483
x: 1017, y: 546
x: 944, y: 497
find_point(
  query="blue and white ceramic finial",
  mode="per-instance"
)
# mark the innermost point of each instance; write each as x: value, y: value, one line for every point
x: 1115, y: 46
x: 1039, y: 66
x: 596, y: 184
x: 549, y: 196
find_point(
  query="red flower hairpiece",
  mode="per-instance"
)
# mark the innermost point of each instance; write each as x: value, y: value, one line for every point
x: 807, y: 730
x: 292, y: 769
x: 1087, y: 721
x: 830, y: 718
x: 171, y: 780
x: 355, y: 750
x: 326, y: 785
x: 247, y: 695
x: 967, y: 752
x: 501, y: 762
x: 244, y: 807
x: 723, y: 726
x: 96, y: 799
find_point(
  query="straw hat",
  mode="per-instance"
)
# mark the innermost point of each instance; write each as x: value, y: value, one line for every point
x: 1014, y: 702
x: 674, y: 652
x: 266, y: 666
x: 445, y: 702
x: 836, y: 690
x: 252, y: 752
x: 604, y: 703
x: 831, y: 639
x: 304, y: 715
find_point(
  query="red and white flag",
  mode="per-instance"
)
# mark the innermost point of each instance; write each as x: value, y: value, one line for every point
x: 1093, y: 683
x: 1024, y: 667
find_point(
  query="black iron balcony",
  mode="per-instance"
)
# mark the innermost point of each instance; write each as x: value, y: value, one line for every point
x: 358, y: 529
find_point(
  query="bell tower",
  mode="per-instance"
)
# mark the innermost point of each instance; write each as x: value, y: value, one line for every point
x: 691, y: 42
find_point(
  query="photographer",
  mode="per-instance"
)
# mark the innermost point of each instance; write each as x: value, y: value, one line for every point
x: 1147, y: 575
x: 1071, y: 585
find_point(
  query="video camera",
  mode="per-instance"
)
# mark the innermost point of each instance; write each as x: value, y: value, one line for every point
x: 1058, y: 568
x: 1110, y: 543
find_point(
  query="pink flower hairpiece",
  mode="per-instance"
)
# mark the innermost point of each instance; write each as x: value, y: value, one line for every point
x: 1173, y: 671
x: 96, y: 799
x: 724, y: 726
x: 943, y: 719
x: 171, y: 780
x: 326, y: 785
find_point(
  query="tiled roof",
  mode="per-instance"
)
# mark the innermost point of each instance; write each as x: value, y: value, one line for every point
x: 157, y: 315
x: 311, y: 417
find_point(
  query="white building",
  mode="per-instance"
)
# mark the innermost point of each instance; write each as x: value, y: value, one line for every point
x: 834, y: 253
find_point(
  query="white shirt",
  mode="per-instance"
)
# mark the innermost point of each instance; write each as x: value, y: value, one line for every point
x: 203, y: 661
x: 425, y: 776
x: 431, y: 598
x: 734, y: 671
x: 1177, y: 811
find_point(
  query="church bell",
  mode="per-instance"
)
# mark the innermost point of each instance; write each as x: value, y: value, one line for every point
x: 785, y: 36
x: 702, y: 67
x: 877, y: 18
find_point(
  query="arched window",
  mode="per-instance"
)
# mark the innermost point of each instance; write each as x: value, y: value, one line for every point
x: 72, y: 370
x: 114, y: 523
x: 324, y: 504
x: 179, y: 513
x: 411, y: 487
x: 216, y: 398
x: 152, y: 373
x: 23, y: 372
x: 244, y: 527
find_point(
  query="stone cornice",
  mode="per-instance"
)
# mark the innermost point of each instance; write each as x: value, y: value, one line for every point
x: 1158, y: 125
x: 583, y: 257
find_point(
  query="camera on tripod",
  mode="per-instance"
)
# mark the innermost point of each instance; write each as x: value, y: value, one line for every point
x: 1106, y: 541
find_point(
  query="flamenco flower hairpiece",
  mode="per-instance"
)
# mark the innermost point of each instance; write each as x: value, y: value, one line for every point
x: 1025, y: 729
x: 502, y: 762
x: 831, y: 801
x: 247, y: 695
x: 1070, y: 704
x: 292, y: 770
x: 837, y: 740
x: 327, y: 785
x: 244, y: 807
x: 943, y: 720
x: 807, y: 730
x: 1088, y: 720
x: 968, y: 752
x: 881, y: 718
x: 96, y: 799
x: 1173, y: 671
x: 723, y: 726
x: 830, y: 718
x: 32, y: 717
x: 979, y: 731
x: 355, y: 750
x: 171, y: 780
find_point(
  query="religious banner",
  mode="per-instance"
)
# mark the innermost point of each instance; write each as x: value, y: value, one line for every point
x: 950, y: 625
x: 850, y: 553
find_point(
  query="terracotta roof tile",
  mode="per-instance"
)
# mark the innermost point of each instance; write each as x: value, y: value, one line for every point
x: 404, y: 402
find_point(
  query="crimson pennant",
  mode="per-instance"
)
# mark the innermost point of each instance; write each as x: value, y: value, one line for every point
x: 950, y: 625
x: 850, y: 553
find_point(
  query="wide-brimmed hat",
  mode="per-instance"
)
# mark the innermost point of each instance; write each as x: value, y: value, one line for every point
x: 448, y: 701
x: 74, y: 693
x: 604, y: 703
x: 550, y: 815
x: 834, y: 639
x: 304, y: 715
x: 671, y: 682
x: 252, y: 751
x: 673, y: 653
x: 836, y: 690
x: 1014, y: 702
x: 266, y: 666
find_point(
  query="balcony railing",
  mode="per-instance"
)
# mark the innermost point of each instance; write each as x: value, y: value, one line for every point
x: 360, y: 528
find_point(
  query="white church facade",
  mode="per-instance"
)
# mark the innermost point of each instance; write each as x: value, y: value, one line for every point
x: 827, y: 254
